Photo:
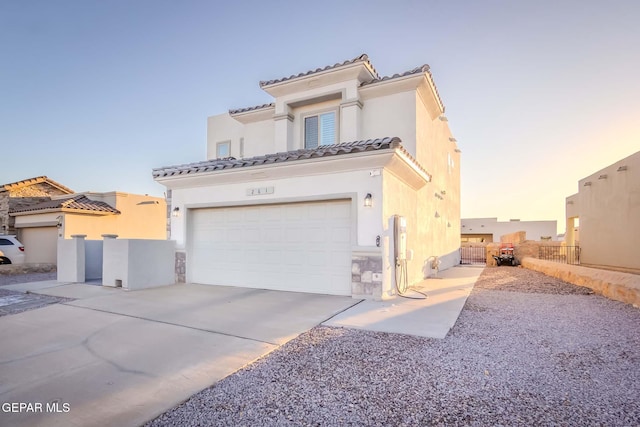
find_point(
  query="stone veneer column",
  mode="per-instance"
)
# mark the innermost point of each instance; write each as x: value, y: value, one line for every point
x: 181, y: 267
x: 366, y: 275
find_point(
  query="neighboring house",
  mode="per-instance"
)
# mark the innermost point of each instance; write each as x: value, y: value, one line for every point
x: 17, y: 195
x: 130, y: 216
x: 489, y: 230
x: 607, y: 206
x: 300, y: 194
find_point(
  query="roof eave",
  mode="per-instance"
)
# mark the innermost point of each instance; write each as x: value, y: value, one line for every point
x: 358, y: 70
x: 65, y: 210
x: 255, y: 115
x: 262, y: 171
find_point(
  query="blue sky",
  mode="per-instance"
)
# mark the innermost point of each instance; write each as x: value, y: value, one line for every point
x: 94, y: 94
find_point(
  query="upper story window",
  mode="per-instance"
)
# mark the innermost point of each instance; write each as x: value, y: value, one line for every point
x: 320, y: 129
x: 223, y: 149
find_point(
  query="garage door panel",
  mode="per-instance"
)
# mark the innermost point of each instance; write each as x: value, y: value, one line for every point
x: 317, y: 258
x: 304, y: 247
x: 41, y: 244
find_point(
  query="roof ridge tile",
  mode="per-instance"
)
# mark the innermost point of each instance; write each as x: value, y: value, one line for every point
x: 360, y: 58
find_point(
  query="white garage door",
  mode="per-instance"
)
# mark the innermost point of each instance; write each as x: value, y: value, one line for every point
x: 40, y: 244
x: 302, y: 247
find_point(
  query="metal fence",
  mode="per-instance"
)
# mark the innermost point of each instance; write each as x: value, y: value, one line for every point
x: 563, y: 254
x: 473, y: 255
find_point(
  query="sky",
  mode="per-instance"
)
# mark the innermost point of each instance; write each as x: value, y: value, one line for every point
x: 539, y: 94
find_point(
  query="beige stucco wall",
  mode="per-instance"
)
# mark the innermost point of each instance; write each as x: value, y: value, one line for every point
x: 141, y: 217
x: 400, y: 199
x: 437, y: 152
x: 609, y: 213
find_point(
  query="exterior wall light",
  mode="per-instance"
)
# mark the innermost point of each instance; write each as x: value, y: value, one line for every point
x: 368, y: 200
x: 176, y: 212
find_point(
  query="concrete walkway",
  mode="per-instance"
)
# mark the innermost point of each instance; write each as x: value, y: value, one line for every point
x: 432, y: 317
x: 113, y: 357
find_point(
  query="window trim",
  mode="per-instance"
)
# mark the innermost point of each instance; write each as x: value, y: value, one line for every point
x: 318, y: 113
x: 220, y: 144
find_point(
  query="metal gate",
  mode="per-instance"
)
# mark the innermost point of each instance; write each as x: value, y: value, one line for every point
x: 470, y: 255
x: 563, y: 254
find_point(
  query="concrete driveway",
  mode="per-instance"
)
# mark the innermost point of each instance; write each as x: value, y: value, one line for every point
x: 113, y: 357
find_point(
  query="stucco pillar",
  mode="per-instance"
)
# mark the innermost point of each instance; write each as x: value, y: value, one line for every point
x: 570, y: 235
x: 115, y: 261
x: 283, y: 132
x: 71, y: 259
x: 350, y: 120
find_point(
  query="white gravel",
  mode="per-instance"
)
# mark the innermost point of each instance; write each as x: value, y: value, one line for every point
x: 526, y: 350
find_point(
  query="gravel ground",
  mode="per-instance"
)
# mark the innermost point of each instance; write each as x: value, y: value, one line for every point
x: 13, y: 302
x: 13, y: 279
x: 526, y: 350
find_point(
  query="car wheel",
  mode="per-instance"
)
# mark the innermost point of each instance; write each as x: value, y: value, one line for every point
x: 4, y: 260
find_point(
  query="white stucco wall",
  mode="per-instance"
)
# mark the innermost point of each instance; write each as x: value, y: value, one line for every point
x: 354, y: 184
x: 535, y: 229
x: 391, y: 115
x: 405, y: 107
x: 138, y: 264
x: 71, y: 260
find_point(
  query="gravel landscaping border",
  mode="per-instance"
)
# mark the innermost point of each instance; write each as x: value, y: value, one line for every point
x: 14, y: 279
x: 526, y: 350
x: 14, y: 302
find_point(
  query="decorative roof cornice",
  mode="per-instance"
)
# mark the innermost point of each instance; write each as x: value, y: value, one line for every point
x: 364, y: 58
x: 389, y: 143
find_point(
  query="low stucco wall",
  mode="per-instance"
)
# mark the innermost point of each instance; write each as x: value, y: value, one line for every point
x: 615, y: 285
x: 137, y: 263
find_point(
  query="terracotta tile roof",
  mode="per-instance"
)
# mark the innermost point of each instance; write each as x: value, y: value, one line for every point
x: 418, y: 70
x: 391, y: 143
x: 360, y: 58
x: 77, y: 202
x: 33, y: 181
x: 256, y: 107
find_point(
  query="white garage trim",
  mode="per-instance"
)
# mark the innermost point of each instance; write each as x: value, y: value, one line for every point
x: 302, y: 246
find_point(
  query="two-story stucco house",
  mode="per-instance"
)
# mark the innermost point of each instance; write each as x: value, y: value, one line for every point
x: 301, y: 194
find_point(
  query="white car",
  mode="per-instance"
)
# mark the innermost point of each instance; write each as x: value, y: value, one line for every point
x: 11, y: 250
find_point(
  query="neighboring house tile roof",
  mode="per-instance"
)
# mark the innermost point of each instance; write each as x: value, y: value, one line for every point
x: 33, y: 181
x: 360, y: 58
x: 77, y: 202
x: 288, y: 156
x: 255, y: 107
